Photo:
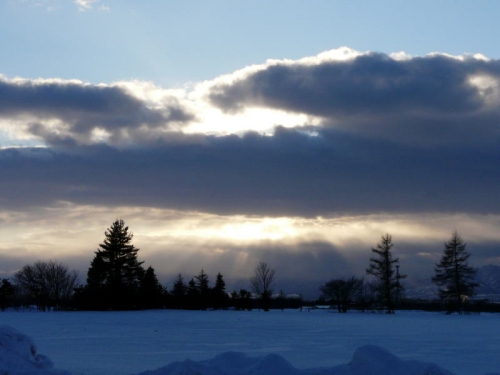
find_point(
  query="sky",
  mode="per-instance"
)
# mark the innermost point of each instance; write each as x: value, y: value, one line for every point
x: 228, y: 133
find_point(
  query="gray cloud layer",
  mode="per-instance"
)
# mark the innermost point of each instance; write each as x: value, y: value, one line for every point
x: 398, y: 136
x: 424, y: 99
x: 289, y: 173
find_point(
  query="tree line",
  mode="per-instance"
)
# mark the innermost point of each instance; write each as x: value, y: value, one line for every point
x: 454, y: 278
x: 117, y: 280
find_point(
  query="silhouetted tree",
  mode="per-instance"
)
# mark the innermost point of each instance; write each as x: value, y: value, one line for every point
x: 241, y: 300
x: 382, y: 267
x: 114, y: 273
x: 50, y: 284
x: 281, y: 300
x: 192, y: 296
x: 179, y: 292
x: 342, y: 292
x: 219, y: 295
x: 262, y: 284
x: 399, y: 290
x: 454, y: 276
x: 151, y: 292
x: 203, y: 289
x: 365, y: 297
x: 6, y: 292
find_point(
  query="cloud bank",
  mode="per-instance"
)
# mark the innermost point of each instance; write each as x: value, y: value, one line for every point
x: 436, y: 99
x: 395, y: 134
x: 290, y: 173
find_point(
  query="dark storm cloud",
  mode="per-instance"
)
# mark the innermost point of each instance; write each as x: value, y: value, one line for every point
x: 416, y: 99
x: 290, y: 173
x: 81, y: 108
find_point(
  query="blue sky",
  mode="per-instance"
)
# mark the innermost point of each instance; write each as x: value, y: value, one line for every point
x: 228, y: 133
x: 173, y: 42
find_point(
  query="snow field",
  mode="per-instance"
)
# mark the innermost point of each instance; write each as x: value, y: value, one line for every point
x: 110, y: 343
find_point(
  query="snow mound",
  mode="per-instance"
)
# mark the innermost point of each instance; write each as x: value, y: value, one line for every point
x: 367, y: 360
x: 18, y: 355
x: 374, y: 360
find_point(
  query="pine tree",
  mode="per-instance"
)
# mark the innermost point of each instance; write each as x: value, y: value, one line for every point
x: 387, y: 283
x: 203, y: 289
x: 6, y: 292
x: 179, y: 291
x: 115, y: 272
x: 202, y: 282
x: 219, y: 296
x: 151, y: 292
x: 454, y: 276
x: 192, y: 296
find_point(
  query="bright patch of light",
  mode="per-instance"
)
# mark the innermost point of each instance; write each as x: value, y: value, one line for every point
x: 213, y: 121
x: 488, y: 88
x: 400, y: 56
x: 248, y: 229
x: 99, y: 135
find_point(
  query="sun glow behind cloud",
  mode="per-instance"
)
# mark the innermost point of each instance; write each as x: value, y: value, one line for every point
x: 169, y: 239
x: 160, y: 112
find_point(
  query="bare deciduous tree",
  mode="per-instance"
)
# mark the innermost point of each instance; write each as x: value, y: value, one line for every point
x: 342, y: 292
x: 49, y: 283
x: 262, y: 284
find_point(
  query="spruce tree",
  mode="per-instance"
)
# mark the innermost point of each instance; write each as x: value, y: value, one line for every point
x: 179, y: 291
x: 203, y: 289
x: 219, y: 296
x: 454, y: 276
x: 151, y: 293
x: 192, y: 296
x: 115, y: 272
x: 387, y: 283
x: 7, y: 290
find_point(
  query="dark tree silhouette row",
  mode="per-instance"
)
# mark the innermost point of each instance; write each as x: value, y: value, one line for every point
x: 453, y: 276
x: 117, y: 280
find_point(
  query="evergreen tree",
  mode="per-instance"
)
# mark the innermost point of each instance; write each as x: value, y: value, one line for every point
x: 219, y: 296
x: 454, y: 276
x: 114, y: 274
x: 387, y: 283
x: 202, y: 282
x: 6, y: 292
x: 151, y: 293
x: 241, y: 300
x: 179, y: 291
x: 192, y: 296
x: 203, y: 290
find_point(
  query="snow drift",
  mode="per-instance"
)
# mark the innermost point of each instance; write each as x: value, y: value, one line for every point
x: 367, y: 360
x: 18, y: 355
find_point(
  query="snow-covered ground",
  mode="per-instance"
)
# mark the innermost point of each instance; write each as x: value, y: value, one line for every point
x: 125, y: 343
